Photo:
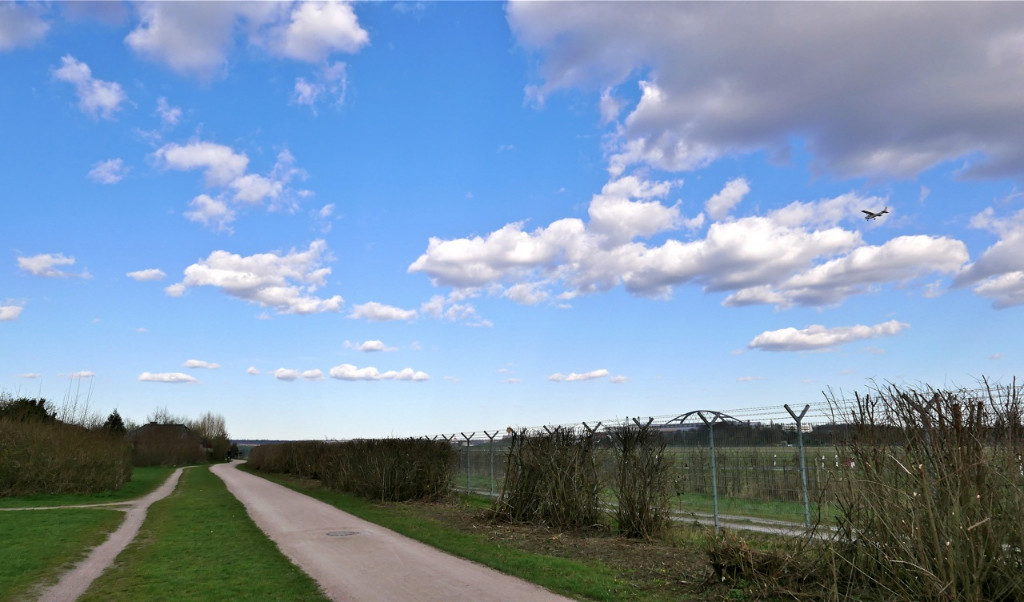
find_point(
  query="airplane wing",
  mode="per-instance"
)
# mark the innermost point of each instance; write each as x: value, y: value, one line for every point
x: 866, y: 212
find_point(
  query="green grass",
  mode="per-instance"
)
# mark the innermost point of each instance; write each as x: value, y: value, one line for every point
x: 199, y: 544
x: 585, y: 580
x: 38, y: 545
x: 144, y: 480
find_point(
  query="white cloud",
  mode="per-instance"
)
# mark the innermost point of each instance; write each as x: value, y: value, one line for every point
x: 147, y: 275
x: 9, y: 313
x: 619, y: 379
x: 167, y: 377
x: 175, y: 290
x: 21, y: 25
x: 369, y: 346
x: 719, y: 206
x: 95, y: 97
x: 30, y: 375
x: 197, y: 37
x: 220, y: 163
x: 797, y: 254
x: 252, y: 370
x: 998, y: 273
x: 315, y: 374
x: 574, y: 377
x: 898, y: 260
x: 320, y: 28
x: 285, y: 282
x: 201, y: 364
x: 817, y: 337
x: 378, y: 312
x: 82, y: 374
x: 46, y: 265
x: 331, y: 81
x: 170, y: 115
x: 286, y: 374
x: 226, y: 169
x: 351, y: 372
x: 191, y: 37
x: 718, y: 82
x: 110, y: 171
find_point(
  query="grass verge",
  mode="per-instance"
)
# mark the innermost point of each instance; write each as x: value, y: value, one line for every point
x: 595, y: 577
x: 38, y: 545
x: 144, y: 480
x: 199, y: 544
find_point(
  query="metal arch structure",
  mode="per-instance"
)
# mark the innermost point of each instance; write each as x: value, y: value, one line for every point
x: 716, y: 416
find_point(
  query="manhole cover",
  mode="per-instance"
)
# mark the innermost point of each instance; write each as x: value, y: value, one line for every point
x: 341, y: 533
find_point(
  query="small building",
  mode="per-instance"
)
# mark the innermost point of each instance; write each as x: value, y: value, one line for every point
x: 157, y: 444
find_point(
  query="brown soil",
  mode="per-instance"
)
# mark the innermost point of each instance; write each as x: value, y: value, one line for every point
x: 673, y: 568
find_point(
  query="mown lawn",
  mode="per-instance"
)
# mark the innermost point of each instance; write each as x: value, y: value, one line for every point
x: 199, y: 544
x: 37, y: 545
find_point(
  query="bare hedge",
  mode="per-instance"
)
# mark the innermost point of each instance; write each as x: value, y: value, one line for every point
x: 53, y: 458
x: 379, y: 469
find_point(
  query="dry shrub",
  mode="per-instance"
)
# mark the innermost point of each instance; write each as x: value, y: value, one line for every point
x: 931, y: 510
x: 551, y: 479
x: 784, y: 569
x: 39, y: 457
x: 641, y: 480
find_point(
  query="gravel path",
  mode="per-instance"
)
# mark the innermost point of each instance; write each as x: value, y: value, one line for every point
x: 353, y: 559
x: 74, y: 583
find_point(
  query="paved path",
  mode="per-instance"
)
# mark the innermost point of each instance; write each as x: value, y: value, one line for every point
x: 74, y: 583
x: 353, y: 559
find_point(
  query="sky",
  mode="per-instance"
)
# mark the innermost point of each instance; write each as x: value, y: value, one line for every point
x: 334, y: 220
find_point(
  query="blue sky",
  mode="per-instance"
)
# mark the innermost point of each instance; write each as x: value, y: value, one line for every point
x: 349, y: 220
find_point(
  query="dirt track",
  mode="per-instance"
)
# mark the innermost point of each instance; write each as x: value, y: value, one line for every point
x: 74, y: 583
x: 353, y: 559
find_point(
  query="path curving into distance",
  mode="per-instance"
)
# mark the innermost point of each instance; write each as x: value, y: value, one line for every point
x: 74, y: 583
x: 353, y: 559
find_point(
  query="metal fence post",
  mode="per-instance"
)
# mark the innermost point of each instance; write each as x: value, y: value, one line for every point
x: 714, y: 477
x: 803, y: 464
x: 467, y: 438
x: 491, y: 437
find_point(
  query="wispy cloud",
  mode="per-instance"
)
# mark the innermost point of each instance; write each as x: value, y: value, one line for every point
x: 167, y: 377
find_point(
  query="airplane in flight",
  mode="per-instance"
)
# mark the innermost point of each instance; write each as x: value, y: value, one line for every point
x: 869, y: 215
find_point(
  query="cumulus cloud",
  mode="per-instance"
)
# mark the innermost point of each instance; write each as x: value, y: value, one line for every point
x: 286, y: 374
x: 369, y: 346
x: 21, y: 25
x: 110, y: 171
x: 351, y: 372
x: 95, y: 97
x: 147, y: 275
x: 252, y: 370
x: 998, y: 273
x: 315, y: 374
x: 284, y: 282
x: 46, y: 265
x: 817, y: 337
x: 82, y: 374
x: 196, y: 38
x: 10, y: 313
x: 30, y: 375
x: 201, y: 364
x: 797, y: 254
x: 378, y: 312
x: 575, y: 377
x: 227, y: 171
x: 167, y: 377
x: 719, y: 206
x: 715, y: 81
